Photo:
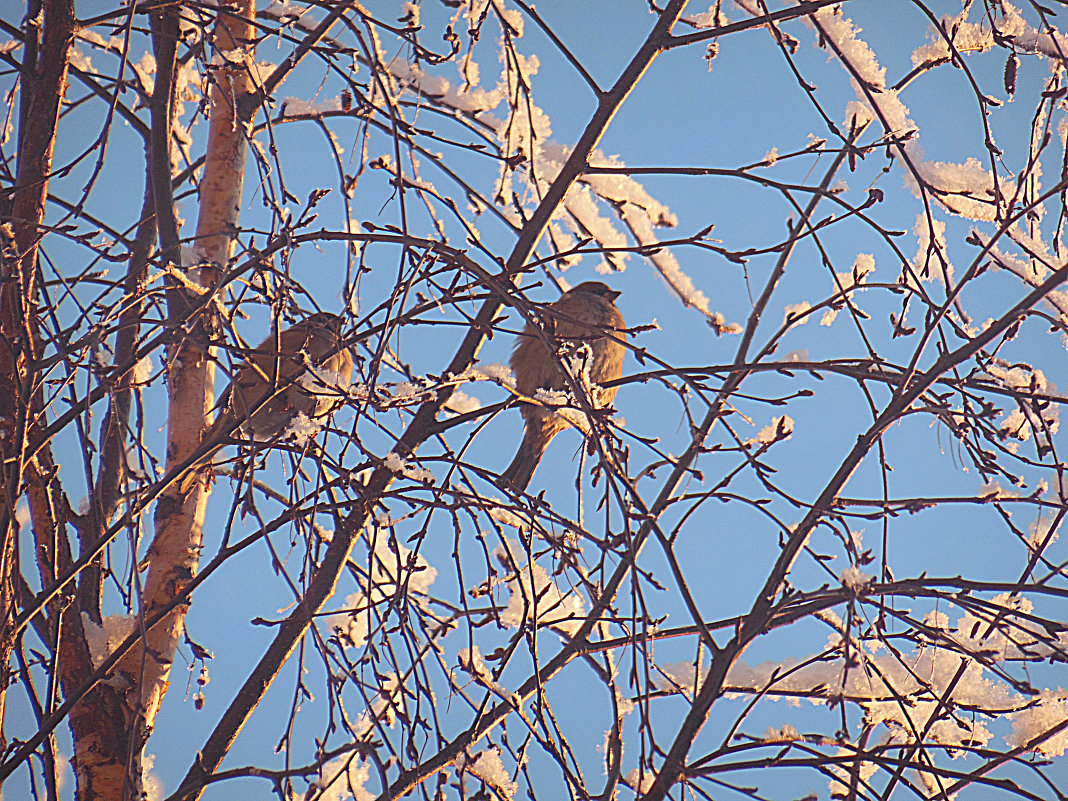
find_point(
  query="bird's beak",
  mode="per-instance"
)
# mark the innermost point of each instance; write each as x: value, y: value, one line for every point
x: 615, y: 293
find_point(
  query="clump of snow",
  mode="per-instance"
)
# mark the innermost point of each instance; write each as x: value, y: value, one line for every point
x: 295, y: 107
x: 1047, y: 711
x: 779, y: 428
x: 796, y: 314
x: 302, y: 429
x: 858, y: 114
x: 474, y: 664
x: 897, y: 689
x: 342, y: 779
x: 640, y: 780
x: 931, y: 262
x: 840, y: 30
x: 283, y: 10
x: 79, y: 60
x: 965, y: 189
x: 842, y: 770
x: 863, y: 265
x: 383, y: 707
x: 398, y: 465
x: 391, y: 569
x: 785, y: 734
x: 525, y: 134
x: 22, y: 514
x: 105, y: 638
x: 981, y: 36
x: 145, y: 69
x: 855, y: 579
x: 993, y: 491
x: 487, y: 766
x: 345, y: 778
x: 1019, y: 377
x: 496, y: 372
x: 1040, y: 534
x: 503, y: 514
x: 534, y: 595
x: 151, y: 782
x: 142, y: 371
x: 461, y: 403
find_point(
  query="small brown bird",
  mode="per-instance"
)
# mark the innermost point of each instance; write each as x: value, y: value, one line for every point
x: 583, y: 316
x: 271, y: 387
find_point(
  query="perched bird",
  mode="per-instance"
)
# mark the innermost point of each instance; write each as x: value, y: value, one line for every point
x: 586, y: 323
x: 298, y: 372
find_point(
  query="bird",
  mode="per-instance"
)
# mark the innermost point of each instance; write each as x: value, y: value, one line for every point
x: 298, y: 372
x: 584, y: 315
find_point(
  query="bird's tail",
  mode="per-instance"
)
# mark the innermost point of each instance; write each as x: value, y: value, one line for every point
x: 214, y: 439
x: 200, y: 466
x: 536, y: 438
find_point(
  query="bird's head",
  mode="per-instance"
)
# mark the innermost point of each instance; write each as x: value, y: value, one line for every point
x: 324, y: 320
x: 598, y: 289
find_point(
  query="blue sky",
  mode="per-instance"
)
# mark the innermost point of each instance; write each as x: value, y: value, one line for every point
x: 682, y: 114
